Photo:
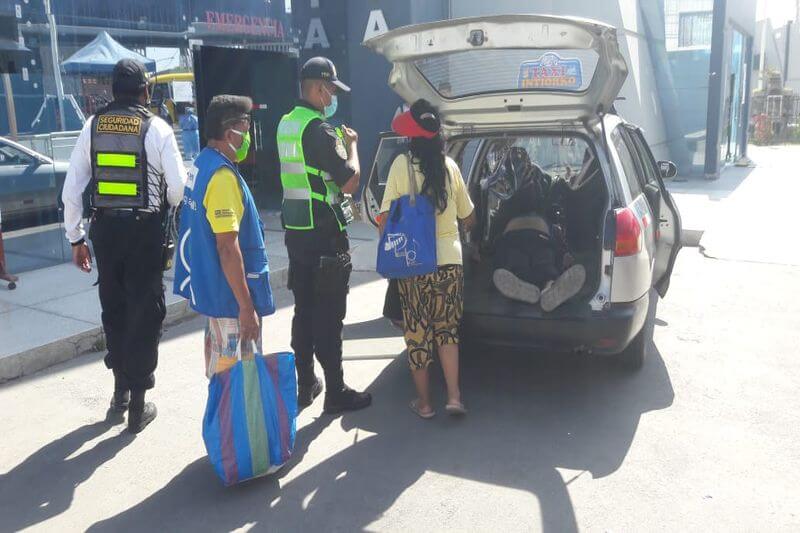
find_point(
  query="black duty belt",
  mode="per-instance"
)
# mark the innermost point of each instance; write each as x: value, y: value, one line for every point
x: 126, y: 213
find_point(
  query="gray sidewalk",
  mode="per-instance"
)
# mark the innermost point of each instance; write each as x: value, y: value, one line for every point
x: 699, y: 200
x: 54, y: 314
x: 748, y: 213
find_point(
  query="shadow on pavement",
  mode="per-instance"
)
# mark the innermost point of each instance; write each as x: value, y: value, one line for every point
x: 528, y: 417
x: 44, y: 484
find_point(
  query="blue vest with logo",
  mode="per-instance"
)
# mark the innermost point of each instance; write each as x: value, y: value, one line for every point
x: 198, y: 272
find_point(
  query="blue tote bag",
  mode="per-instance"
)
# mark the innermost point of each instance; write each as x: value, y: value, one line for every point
x: 408, y: 245
x: 250, y: 420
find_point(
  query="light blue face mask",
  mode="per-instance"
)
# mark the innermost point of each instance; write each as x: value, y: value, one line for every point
x: 331, y: 108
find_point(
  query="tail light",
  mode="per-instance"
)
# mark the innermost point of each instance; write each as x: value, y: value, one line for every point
x: 629, y: 233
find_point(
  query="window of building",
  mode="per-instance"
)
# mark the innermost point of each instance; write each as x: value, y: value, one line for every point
x: 695, y: 28
x: 36, y: 128
x: 628, y: 163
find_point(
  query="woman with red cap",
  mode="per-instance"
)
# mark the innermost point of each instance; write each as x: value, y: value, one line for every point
x: 433, y: 303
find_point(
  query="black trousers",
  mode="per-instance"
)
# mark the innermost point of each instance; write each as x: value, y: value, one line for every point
x: 320, y: 305
x: 530, y: 255
x: 128, y: 251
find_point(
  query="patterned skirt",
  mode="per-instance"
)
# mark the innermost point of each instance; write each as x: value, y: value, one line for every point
x: 432, y: 309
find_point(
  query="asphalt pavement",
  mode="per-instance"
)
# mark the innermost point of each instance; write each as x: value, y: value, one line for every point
x: 704, y: 437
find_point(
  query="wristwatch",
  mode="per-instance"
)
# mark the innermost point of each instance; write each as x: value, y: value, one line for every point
x: 79, y: 242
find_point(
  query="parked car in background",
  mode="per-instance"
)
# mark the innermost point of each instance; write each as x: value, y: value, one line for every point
x: 30, y: 186
x: 544, y: 86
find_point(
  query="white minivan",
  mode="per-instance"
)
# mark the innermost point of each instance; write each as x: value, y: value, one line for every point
x: 546, y: 86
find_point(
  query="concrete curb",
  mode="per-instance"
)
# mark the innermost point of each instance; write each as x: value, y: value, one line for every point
x: 691, y: 237
x: 93, y: 340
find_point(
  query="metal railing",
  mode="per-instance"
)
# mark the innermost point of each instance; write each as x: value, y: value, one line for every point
x: 775, y: 119
x: 56, y: 145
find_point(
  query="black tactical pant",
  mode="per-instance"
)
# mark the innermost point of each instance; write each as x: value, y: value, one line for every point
x: 320, y: 290
x: 128, y: 251
x: 530, y: 255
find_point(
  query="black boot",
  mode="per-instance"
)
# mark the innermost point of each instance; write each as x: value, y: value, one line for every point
x: 306, y: 394
x: 119, y: 404
x: 346, y: 399
x: 140, y: 413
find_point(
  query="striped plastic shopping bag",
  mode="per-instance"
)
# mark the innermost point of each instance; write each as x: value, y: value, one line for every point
x: 249, y: 424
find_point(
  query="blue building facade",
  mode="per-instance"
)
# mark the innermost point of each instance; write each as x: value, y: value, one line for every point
x: 688, y: 59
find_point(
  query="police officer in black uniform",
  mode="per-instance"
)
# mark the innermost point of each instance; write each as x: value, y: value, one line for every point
x: 318, y: 164
x: 130, y: 161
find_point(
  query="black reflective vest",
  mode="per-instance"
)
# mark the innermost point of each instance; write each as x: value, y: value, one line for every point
x: 119, y: 160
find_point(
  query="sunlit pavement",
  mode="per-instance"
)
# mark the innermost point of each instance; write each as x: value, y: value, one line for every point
x: 704, y: 437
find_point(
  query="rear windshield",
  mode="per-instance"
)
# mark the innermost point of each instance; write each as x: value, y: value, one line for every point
x: 562, y: 157
x: 474, y: 72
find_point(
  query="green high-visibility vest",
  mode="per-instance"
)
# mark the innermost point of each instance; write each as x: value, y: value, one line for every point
x: 298, y: 178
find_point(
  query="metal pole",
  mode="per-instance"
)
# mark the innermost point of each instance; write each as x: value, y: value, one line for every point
x: 716, y: 89
x: 788, y: 51
x: 51, y: 20
x: 12, y: 110
x: 762, y: 82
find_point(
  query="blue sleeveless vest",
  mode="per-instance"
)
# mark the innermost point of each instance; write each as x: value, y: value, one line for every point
x: 198, y: 273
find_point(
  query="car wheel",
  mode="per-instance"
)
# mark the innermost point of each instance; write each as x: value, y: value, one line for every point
x: 632, y: 358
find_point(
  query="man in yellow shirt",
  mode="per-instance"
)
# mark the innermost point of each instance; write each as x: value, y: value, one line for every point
x: 223, y: 202
x: 223, y: 268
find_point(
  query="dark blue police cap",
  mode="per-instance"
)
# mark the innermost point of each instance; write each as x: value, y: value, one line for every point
x: 322, y: 68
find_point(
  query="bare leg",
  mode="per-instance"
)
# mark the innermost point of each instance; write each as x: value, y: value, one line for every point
x: 422, y: 382
x: 448, y: 354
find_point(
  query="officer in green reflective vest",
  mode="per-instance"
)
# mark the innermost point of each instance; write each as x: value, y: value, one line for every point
x: 130, y: 162
x: 318, y: 164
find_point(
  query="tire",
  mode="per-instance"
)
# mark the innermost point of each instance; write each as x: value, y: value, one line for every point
x: 632, y: 358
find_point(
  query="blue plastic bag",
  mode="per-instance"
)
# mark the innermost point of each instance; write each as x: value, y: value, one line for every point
x: 408, y: 245
x: 250, y: 421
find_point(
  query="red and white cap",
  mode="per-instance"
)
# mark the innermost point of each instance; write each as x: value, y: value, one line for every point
x: 422, y: 120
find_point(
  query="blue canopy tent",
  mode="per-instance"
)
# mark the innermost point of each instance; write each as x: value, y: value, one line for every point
x: 99, y: 57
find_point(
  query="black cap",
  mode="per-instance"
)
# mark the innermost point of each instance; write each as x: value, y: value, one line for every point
x: 322, y: 68
x: 426, y: 115
x: 129, y: 76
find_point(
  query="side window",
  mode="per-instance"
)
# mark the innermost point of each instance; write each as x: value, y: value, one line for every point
x: 628, y: 163
x: 389, y: 147
x: 466, y: 159
x: 11, y: 156
x: 646, y: 160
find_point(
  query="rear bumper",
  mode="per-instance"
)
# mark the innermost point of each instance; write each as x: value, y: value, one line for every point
x: 602, y: 332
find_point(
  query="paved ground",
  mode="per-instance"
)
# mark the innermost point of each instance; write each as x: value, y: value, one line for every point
x: 54, y: 314
x: 755, y: 223
x: 704, y: 438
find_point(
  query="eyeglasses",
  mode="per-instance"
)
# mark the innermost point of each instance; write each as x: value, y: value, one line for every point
x: 242, y: 118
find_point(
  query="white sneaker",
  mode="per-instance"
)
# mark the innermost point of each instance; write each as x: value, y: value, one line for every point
x: 514, y: 288
x: 567, y: 285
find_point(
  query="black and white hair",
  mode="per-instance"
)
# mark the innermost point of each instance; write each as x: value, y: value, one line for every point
x: 224, y: 110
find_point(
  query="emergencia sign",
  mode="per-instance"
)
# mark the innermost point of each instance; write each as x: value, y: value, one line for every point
x: 124, y: 124
x: 551, y: 71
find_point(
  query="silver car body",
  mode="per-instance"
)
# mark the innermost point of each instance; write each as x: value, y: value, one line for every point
x: 433, y: 61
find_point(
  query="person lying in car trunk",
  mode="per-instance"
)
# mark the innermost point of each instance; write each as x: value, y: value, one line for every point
x: 531, y: 260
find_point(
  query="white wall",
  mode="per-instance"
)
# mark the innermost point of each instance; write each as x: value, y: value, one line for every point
x: 641, y: 105
x: 771, y: 56
x: 793, y: 78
